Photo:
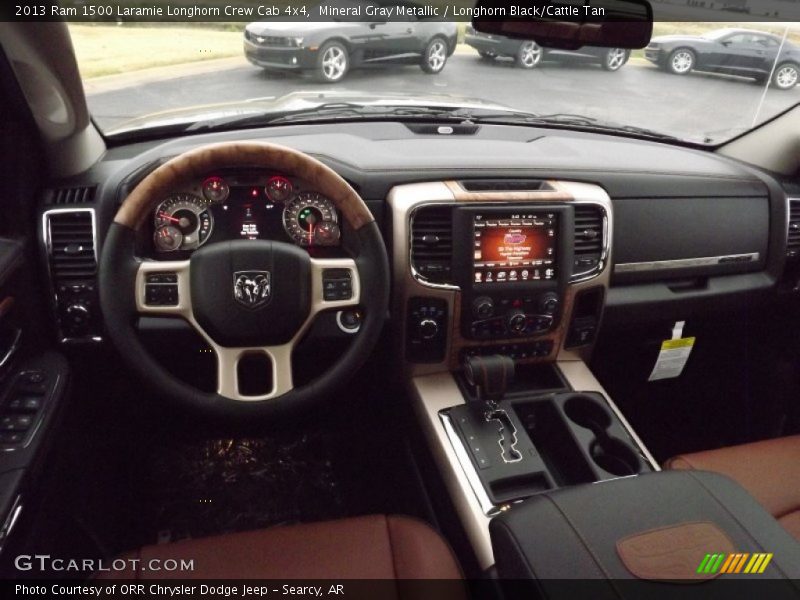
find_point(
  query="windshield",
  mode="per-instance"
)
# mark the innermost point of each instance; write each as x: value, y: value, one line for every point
x: 718, y: 34
x: 686, y: 84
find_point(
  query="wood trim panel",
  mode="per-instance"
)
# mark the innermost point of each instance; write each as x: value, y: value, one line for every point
x: 199, y: 162
x: 558, y: 193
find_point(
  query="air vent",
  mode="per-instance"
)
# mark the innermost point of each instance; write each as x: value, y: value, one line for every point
x: 793, y: 237
x: 588, y: 240
x: 506, y: 185
x: 432, y: 243
x: 70, y: 195
x: 70, y: 244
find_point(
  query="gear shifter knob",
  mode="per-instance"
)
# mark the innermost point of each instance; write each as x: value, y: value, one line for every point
x: 490, y: 375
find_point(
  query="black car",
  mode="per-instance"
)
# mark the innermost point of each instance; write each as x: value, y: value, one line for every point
x: 529, y: 54
x: 330, y: 49
x: 743, y: 52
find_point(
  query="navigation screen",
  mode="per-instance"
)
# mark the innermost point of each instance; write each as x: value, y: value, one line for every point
x: 514, y: 248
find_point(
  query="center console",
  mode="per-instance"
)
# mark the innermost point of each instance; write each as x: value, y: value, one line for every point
x: 500, y: 278
x: 520, y: 443
x: 645, y: 537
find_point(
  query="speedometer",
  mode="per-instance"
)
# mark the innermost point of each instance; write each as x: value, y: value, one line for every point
x: 305, y: 214
x: 189, y: 214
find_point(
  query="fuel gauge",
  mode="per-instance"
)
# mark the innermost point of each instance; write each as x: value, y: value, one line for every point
x: 167, y: 238
x: 216, y: 189
x: 279, y: 189
x: 327, y: 233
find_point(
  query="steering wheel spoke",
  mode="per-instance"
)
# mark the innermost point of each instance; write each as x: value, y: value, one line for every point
x: 228, y: 360
x: 163, y: 288
x: 335, y: 283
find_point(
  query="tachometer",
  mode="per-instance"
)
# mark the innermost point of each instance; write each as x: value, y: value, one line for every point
x: 305, y: 214
x: 189, y: 214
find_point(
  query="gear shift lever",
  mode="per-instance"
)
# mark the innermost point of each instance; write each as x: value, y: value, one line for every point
x: 490, y: 376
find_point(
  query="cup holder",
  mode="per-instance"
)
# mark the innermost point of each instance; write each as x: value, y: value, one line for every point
x: 587, y: 412
x: 608, y: 452
x: 615, y: 456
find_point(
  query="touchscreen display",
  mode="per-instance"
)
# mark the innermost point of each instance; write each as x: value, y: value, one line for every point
x: 515, y: 247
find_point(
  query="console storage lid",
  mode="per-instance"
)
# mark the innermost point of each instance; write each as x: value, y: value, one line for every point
x: 655, y: 528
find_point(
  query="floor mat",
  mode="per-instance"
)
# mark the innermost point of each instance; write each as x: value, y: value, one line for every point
x: 237, y: 484
x: 207, y: 487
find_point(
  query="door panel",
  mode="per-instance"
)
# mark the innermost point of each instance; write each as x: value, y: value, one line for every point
x: 742, y: 53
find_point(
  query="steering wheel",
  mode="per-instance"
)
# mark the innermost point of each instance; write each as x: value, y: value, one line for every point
x: 244, y: 297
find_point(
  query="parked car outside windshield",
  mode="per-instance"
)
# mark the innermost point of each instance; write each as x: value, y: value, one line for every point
x: 328, y: 50
x: 696, y: 82
x: 762, y: 56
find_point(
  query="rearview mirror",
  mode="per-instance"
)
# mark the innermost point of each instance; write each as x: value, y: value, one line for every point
x: 568, y: 24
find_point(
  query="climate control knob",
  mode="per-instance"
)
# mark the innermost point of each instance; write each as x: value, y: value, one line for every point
x: 428, y: 328
x: 483, y: 307
x: 548, y: 303
x: 516, y: 321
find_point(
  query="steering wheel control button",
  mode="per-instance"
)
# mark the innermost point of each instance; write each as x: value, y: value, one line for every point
x: 161, y: 289
x: 161, y: 278
x: 161, y: 295
x: 337, y: 284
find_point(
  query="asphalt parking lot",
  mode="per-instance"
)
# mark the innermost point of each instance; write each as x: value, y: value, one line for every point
x: 693, y: 106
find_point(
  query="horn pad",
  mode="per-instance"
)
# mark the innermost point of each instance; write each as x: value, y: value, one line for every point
x: 250, y: 292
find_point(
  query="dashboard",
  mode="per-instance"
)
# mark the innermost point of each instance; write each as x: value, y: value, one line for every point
x: 246, y: 205
x: 498, y: 238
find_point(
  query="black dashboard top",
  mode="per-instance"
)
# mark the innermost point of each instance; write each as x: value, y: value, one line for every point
x: 644, y: 179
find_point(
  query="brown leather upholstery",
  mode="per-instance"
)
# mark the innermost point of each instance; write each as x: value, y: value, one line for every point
x: 769, y: 470
x: 371, y: 547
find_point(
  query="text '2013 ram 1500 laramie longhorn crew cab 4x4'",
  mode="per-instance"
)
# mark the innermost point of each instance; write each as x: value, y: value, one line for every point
x: 524, y: 337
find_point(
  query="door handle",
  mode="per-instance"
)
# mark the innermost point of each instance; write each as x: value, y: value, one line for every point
x: 11, y: 346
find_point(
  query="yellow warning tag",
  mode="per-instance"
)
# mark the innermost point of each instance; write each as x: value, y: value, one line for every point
x: 673, y: 356
x: 675, y: 344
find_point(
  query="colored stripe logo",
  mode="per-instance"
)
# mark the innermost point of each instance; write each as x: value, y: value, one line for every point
x: 741, y: 562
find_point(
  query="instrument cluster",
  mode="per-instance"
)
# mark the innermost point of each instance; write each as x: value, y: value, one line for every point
x: 253, y: 205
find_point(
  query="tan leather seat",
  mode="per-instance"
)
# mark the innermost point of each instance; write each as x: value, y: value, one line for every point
x: 371, y: 547
x: 769, y: 470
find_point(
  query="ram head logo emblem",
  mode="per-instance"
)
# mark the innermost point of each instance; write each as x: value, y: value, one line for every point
x: 252, y: 288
